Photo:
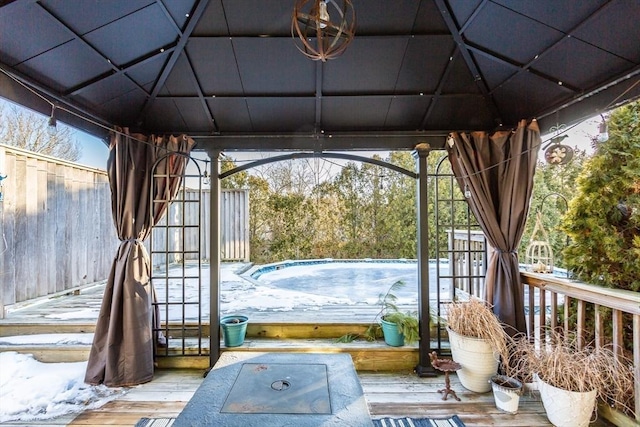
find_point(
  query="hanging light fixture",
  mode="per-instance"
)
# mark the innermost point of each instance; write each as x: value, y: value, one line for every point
x: 52, y: 127
x: 603, y: 131
x: 206, y: 179
x: 322, y: 29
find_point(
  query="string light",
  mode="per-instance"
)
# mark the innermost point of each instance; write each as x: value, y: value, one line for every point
x: 603, y: 134
x: 52, y: 128
x: 467, y: 192
x: 206, y: 179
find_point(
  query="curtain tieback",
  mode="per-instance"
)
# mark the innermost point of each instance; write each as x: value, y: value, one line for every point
x: 132, y: 240
x: 506, y: 252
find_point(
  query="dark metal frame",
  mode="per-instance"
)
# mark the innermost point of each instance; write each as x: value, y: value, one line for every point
x: 455, y: 202
x: 180, y: 336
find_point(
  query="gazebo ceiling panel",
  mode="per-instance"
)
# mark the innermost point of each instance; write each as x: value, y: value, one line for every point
x: 213, y: 21
x: 227, y: 71
x: 270, y: 77
x: 422, y: 73
x: 524, y: 92
x: 106, y: 90
x: 181, y: 81
x: 145, y: 74
x: 401, y: 17
x: 212, y: 59
x: 25, y: 41
x: 231, y: 114
x: 126, y: 40
x: 371, y: 67
x: 285, y: 114
x: 562, y: 15
x: 582, y: 63
x: 457, y: 110
x: 168, y: 113
x: 512, y: 36
x: 273, y: 19
x: 407, y: 110
x: 52, y: 65
x: 340, y: 112
x: 121, y: 108
x: 459, y: 79
x: 615, y: 29
x: 94, y: 14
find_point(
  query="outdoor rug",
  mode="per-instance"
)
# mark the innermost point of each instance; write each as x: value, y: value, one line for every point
x: 155, y: 422
x: 453, y: 421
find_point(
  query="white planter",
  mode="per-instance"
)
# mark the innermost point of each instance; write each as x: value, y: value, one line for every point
x: 478, y: 360
x: 567, y: 408
x: 506, y: 393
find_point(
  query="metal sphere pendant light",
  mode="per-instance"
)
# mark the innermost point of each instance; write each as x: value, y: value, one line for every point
x: 322, y: 29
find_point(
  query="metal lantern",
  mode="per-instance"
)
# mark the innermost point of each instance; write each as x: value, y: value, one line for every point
x: 539, y: 252
x: 322, y: 29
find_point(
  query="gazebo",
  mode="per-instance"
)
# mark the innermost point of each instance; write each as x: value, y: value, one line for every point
x: 481, y: 79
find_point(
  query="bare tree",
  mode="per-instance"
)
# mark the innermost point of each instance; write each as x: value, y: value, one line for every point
x: 25, y: 129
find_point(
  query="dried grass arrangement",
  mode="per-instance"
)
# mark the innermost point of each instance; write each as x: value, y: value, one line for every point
x: 475, y: 319
x: 560, y: 363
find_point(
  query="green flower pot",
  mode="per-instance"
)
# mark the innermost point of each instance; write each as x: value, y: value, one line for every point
x: 234, y: 329
x: 391, y: 335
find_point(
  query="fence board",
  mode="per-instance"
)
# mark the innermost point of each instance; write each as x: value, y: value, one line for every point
x: 59, y: 232
x: 56, y: 224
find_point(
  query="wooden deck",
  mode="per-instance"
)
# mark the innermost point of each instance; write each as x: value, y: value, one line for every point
x: 387, y: 394
x: 397, y: 393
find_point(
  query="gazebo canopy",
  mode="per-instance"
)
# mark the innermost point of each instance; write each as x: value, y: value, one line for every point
x: 227, y: 72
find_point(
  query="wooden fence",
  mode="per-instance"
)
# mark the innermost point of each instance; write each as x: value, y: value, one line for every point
x: 57, y: 232
x: 56, y: 227
x: 189, y: 229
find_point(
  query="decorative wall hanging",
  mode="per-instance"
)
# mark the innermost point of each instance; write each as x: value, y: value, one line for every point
x: 539, y: 252
x: 557, y: 153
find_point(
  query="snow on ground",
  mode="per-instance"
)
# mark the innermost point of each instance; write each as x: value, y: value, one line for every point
x: 24, y: 398
x: 31, y: 390
x: 48, y: 339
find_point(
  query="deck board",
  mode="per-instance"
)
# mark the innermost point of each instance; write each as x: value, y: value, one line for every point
x: 387, y: 394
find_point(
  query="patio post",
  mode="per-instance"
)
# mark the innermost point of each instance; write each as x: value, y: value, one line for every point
x: 424, y: 368
x: 214, y: 262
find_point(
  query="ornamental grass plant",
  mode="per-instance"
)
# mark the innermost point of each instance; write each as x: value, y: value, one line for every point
x: 559, y: 362
x: 474, y: 318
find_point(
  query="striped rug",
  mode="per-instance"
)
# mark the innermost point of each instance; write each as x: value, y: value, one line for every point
x: 155, y: 422
x: 453, y: 421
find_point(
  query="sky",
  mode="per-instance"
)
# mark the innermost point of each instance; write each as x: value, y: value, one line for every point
x: 95, y: 152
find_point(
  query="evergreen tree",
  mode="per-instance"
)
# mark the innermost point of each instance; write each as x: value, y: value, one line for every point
x: 603, y: 220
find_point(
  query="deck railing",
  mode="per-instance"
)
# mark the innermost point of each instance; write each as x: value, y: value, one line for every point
x: 554, y: 303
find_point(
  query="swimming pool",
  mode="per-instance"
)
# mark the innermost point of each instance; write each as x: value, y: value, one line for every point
x: 354, y: 280
x: 313, y: 290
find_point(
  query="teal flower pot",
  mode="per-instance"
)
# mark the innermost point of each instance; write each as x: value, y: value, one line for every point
x: 234, y: 329
x: 391, y: 335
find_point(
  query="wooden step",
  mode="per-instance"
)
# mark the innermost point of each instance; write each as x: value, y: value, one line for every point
x: 367, y: 356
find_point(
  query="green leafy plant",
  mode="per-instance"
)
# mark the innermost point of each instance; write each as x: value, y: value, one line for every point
x: 407, y: 322
x: 603, y: 220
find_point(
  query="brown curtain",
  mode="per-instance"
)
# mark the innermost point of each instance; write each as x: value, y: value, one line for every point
x: 123, y: 345
x: 498, y: 170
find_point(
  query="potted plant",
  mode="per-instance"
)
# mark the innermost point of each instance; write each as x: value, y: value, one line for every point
x: 234, y: 329
x: 506, y: 393
x: 570, y: 379
x: 398, y: 328
x: 478, y: 342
